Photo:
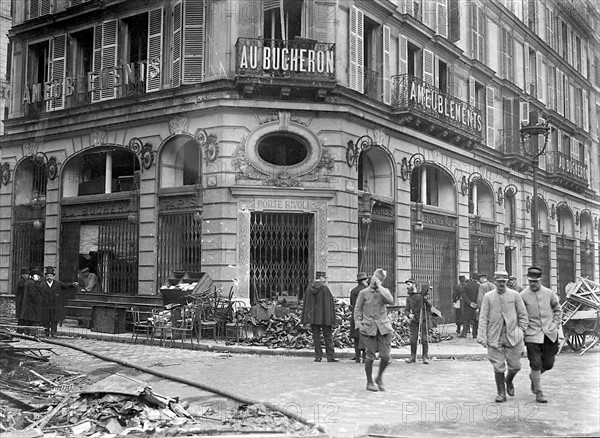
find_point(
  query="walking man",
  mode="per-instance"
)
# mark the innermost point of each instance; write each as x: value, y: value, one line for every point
x: 502, y: 323
x: 359, y: 348
x: 456, y: 301
x: 417, y: 310
x: 469, y: 306
x: 371, y: 318
x: 319, y: 312
x: 541, y: 336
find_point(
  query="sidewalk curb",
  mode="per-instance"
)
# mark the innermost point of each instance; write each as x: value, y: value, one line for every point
x: 258, y: 350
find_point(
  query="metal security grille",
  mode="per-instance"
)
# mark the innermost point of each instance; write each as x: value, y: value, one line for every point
x: 376, y: 249
x: 281, y: 253
x: 179, y: 245
x: 28, y: 249
x: 482, y: 256
x: 118, y: 256
x: 69, y: 251
x: 434, y: 263
x: 565, y: 269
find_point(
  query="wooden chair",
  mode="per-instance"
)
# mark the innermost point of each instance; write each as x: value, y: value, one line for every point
x: 182, y: 324
x: 238, y: 328
x: 205, y: 319
x: 141, y: 324
x: 160, y: 325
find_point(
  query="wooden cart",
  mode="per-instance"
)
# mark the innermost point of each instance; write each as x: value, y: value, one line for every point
x: 581, y: 315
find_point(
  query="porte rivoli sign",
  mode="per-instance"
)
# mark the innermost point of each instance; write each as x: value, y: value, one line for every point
x: 423, y: 95
x: 287, y: 59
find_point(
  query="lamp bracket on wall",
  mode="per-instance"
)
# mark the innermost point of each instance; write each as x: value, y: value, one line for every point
x: 528, y: 204
x: 353, y: 150
x: 48, y: 163
x: 408, y: 165
x: 143, y: 150
x: 209, y: 143
x: 467, y: 181
x: 5, y: 173
x: 553, y: 211
x: 508, y: 192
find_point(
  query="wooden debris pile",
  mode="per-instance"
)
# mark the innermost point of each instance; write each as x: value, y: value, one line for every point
x: 288, y: 332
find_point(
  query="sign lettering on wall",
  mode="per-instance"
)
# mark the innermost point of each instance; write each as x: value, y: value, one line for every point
x: 87, y: 211
x: 283, y: 204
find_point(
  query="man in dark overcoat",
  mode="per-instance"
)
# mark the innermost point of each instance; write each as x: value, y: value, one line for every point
x: 417, y: 310
x: 19, y: 293
x: 359, y: 349
x: 469, y: 306
x: 319, y: 312
x: 31, y: 311
x: 456, y: 301
x: 53, y: 310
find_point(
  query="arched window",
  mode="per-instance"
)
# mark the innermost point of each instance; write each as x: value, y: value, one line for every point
x: 180, y: 162
x: 481, y: 200
x: 430, y: 185
x: 30, y: 181
x: 375, y: 172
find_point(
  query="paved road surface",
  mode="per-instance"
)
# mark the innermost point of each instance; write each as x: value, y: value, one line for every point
x: 445, y: 398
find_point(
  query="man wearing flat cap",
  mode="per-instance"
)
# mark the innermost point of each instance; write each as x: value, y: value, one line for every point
x: 541, y: 335
x: 469, y: 306
x: 417, y: 310
x: 319, y: 312
x: 502, y: 323
x: 359, y: 348
x: 90, y: 282
x: 19, y: 293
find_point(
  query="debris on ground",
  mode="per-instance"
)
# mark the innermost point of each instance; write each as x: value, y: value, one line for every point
x: 288, y: 332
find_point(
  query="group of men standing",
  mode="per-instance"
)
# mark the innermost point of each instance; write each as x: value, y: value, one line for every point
x: 39, y: 300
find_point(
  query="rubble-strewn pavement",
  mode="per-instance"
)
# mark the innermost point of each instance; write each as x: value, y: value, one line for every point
x: 448, y: 397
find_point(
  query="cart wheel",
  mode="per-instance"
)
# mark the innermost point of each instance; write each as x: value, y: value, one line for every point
x: 576, y: 341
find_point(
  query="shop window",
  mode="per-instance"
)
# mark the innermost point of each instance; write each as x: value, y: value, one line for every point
x: 180, y: 162
x: 292, y: 19
x: 282, y: 150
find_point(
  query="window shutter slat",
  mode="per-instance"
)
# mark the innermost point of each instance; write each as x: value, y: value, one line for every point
x: 97, y: 62
x: 57, y: 71
x: 155, y: 49
x: 176, y: 64
x: 109, y: 58
x: 524, y: 112
x: 402, y: 55
x: 539, y: 86
x: 489, y: 116
x: 193, y: 41
x: 586, y: 115
x: 428, y: 66
x: 387, y: 95
x: 442, y: 18
x: 353, y: 55
x: 471, y: 91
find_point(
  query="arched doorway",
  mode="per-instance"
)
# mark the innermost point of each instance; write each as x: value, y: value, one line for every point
x: 565, y: 249
x: 29, y: 216
x: 434, y: 234
x: 482, y: 229
x: 586, y: 244
x: 376, y: 218
x: 543, y: 249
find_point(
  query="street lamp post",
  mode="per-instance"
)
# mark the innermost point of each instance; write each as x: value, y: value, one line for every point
x: 527, y: 132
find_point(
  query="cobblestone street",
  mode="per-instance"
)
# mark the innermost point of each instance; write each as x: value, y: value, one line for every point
x: 445, y: 398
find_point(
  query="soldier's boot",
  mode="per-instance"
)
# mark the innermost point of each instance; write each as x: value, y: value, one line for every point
x: 510, y: 388
x: 379, y: 380
x: 536, y: 385
x: 356, y: 352
x: 413, y: 354
x: 369, y: 371
x: 501, y: 397
x: 425, y: 356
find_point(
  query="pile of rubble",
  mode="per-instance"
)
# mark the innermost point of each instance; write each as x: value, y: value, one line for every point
x: 288, y: 332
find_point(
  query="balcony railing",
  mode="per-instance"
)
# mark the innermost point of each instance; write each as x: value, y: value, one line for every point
x: 412, y: 94
x: 560, y: 164
x: 298, y: 58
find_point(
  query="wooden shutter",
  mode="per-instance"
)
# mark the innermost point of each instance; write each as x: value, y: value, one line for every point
x: 57, y: 71
x: 574, y: 149
x: 442, y: 17
x: 356, y: 73
x: 105, y: 59
x: 550, y: 79
x: 97, y: 62
x: 569, y: 45
x: 176, y: 61
x: 193, y: 41
x: 539, y: 69
x: 428, y: 66
x: 584, y: 57
x: 387, y: 95
x: 454, y: 22
x: 155, y: 50
x: 559, y: 140
x: 586, y: 115
x: 528, y: 80
x: 570, y: 107
x: 550, y: 27
x: 524, y: 110
x: 560, y: 98
x: 402, y: 55
x: 471, y: 91
x: 518, y: 9
x: 489, y: 116
x: 409, y: 7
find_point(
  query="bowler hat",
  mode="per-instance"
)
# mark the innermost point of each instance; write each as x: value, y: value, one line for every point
x: 475, y: 276
x: 24, y: 271
x: 410, y: 280
x: 49, y: 270
x: 320, y: 274
x: 361, y: 276
x: 85, y: 270
x: 501, y: 276
x: 35, y: 271
x: 534, y: 273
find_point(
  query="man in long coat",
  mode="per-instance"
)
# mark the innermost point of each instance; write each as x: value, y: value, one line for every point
x: 319, y: 311
x: 469, y: 306
x: 53, y: 310
x: 359, y: 348
x: 31, y: 311
x: 19, y: 293
x: 417, y: 310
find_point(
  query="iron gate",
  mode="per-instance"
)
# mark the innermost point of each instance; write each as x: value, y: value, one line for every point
x: 565, y: 268
x: 433, y: 263
x: 482, y: 258
x: 281, y: 253
x: 179, y: 244
x: 376, y: 244
x: 28, y: 249
x: 118, y: 256
x: 69, y: 251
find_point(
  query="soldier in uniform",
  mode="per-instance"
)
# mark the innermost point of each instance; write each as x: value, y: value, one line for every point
x: 469, y: 306
x: 359, y: 348
x: 417, y: 310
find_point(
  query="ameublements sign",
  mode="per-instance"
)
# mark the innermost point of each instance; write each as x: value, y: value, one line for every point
x: 424, y: 95
x: 298, y: 60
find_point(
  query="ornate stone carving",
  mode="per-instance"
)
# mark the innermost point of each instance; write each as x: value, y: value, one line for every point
x: 97, y: 137
x: 30, y: 147
x: 178, y: 125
